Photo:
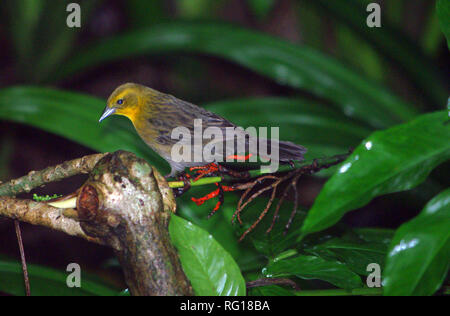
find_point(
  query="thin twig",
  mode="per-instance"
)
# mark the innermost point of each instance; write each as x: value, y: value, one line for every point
x: 263, y: 213
x: 294, y: 210
x: 22, y: 258
x: 272, y: 281
x: 277, y: 209
x: 291, y: 176
x: 241, y: 206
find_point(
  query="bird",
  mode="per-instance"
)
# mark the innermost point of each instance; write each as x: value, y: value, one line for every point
x: 155, y: 115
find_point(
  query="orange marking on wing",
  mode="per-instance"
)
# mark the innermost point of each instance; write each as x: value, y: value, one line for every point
x: 240, y: 157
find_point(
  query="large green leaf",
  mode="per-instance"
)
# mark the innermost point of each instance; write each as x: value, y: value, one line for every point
x: 211, y: 270
x: 47, y: 282
x: 288, y: 64
x: 419, y: 257
x: 356, y: 255
x: 390, y: 42
x: 392, y: 160
x: 371, y: 235
x: 219, y: 225
x: 312, y: 267
x: 443, y: 12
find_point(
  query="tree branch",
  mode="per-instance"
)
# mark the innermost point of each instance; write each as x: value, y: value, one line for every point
x: 42, y: 214
x: 125, y: 204
x: 51, y: 174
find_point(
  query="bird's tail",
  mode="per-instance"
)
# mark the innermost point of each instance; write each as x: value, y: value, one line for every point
x: 289, y: 151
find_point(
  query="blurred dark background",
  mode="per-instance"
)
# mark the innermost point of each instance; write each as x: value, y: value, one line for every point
x: 196, y: 78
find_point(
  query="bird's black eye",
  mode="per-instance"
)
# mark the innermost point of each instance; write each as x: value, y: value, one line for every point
x: 120, y: 101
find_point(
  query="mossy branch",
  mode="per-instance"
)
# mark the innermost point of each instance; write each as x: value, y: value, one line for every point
x: 56, y: 173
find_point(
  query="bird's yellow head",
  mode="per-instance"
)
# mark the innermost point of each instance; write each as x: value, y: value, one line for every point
x: 125, y: 100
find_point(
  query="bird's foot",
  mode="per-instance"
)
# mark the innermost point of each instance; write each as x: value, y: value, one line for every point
x: 186, y: 178
x: 206, y: 170
x: 217, y: 192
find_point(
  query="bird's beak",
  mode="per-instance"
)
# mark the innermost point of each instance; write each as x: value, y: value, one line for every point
x: 107, y: 112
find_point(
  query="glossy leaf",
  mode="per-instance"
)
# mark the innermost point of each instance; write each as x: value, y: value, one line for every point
x: 219, y: 225
x: 419, y: 257
x: 210, y: 269
x: 356, y: 255
x: 313, y: 267
x: 286, y: 63
x: 46, y: 282
x: 443, y: 12
x: 273, y: 243
x: 372, y: 235
x: 392, y: 160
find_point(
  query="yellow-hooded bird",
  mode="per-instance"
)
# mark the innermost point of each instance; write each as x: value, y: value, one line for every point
x: 155, y: 115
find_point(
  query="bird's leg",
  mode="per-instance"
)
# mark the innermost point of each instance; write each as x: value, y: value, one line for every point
x: 220, y: 202
x: 206, y: 170
x: 217, y: 192
x: 213, y: 168
x: 187, y: 184
x: 291, y: 163
x: 234, y: 174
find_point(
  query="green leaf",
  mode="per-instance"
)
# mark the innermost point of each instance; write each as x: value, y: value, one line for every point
x: 273, y: 243
x: 419, y: 257
x: 443, y: 12
x: 47, y: 282
x: 211, y: 270
x: 312, y: 267
x: 392, y: 160
x: 286, y: 63
x: 356, y: 255
x: 74, y: 116
x: 219, y: 225
x: 373, y: 235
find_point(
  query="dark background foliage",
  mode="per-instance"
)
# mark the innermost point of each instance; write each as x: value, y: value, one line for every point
x: 403, y: 65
